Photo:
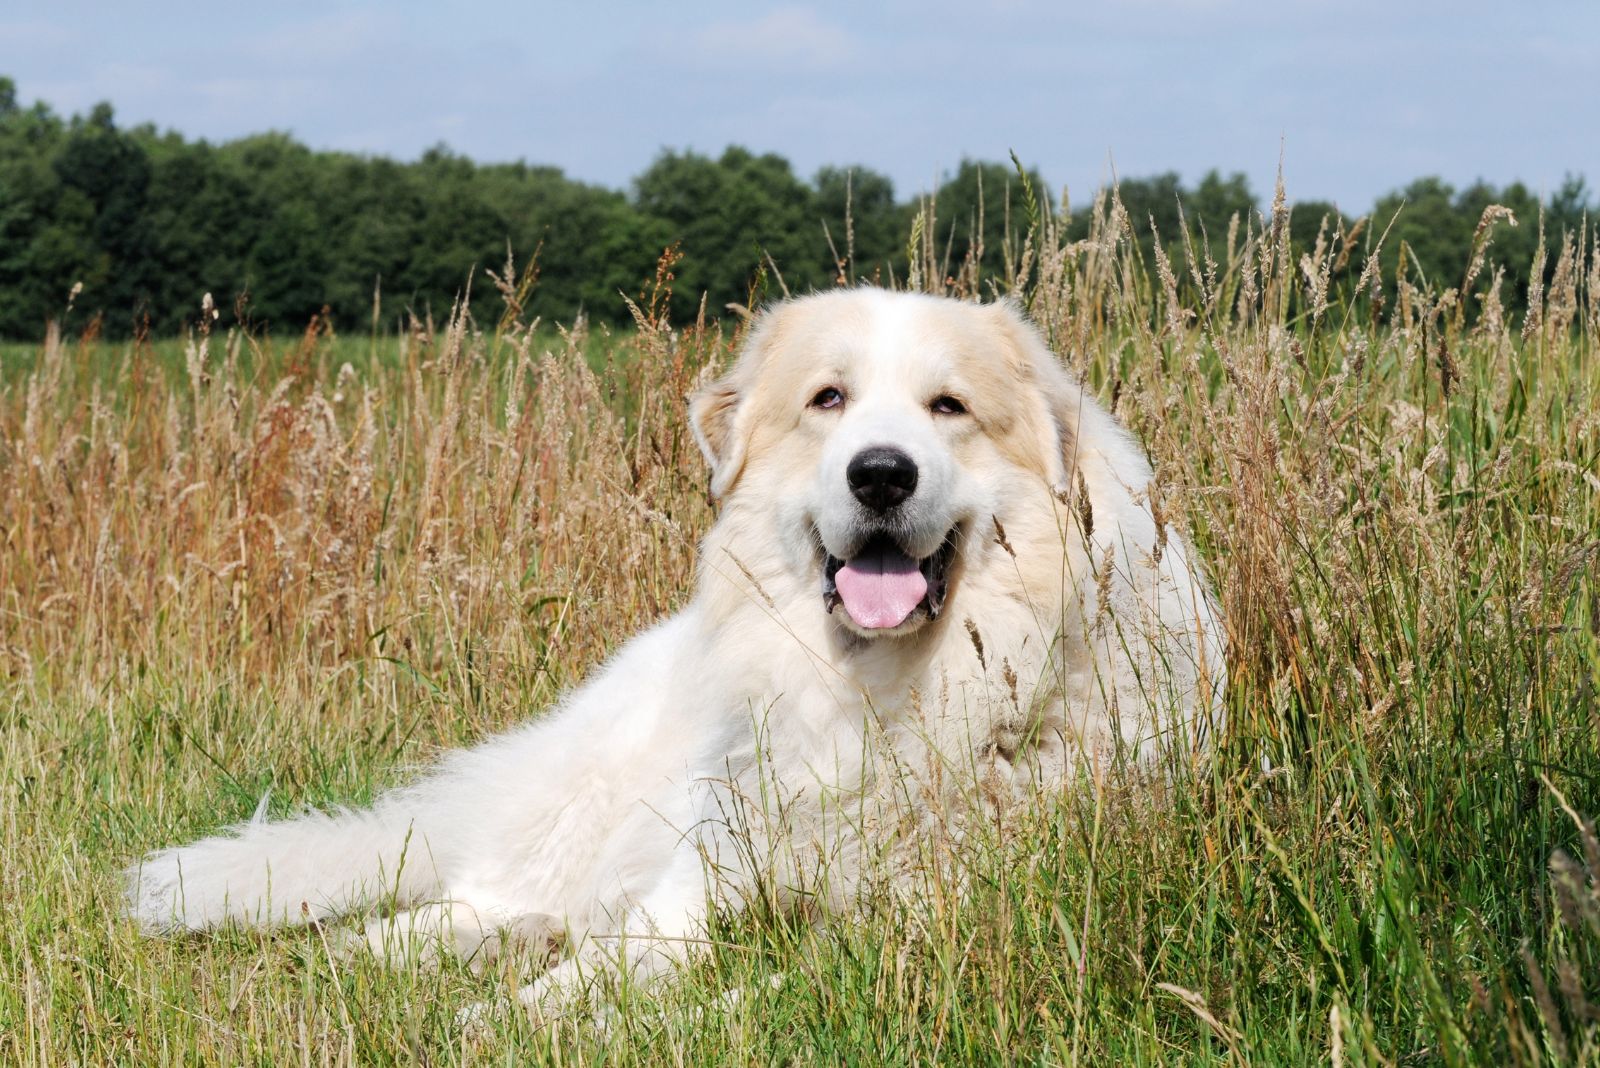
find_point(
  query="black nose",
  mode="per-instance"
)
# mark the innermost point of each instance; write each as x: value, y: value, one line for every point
x: 881, y: 477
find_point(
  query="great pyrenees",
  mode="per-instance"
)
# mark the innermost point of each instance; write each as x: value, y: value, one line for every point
x: 937, y: 572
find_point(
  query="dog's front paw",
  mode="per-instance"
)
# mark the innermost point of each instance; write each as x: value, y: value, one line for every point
x: 562, y: 992
x: 478, y: 1019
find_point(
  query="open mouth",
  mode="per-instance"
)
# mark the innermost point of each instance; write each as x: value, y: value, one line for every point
x: 881, y: 586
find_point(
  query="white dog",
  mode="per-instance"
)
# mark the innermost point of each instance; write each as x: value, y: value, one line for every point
x: 935, y: 558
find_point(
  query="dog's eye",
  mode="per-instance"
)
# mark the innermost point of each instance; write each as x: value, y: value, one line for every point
x: 948, y: 405
x: 827, y: 398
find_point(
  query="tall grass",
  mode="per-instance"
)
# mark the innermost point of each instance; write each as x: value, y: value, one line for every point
x: 266, y: 568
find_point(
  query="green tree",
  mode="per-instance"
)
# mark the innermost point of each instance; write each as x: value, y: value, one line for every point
x: 1428, y: 223
x: 201, y: 222
x: 42, y: 239
x: 1215, y: 202
x: 864, y: 199
x: 111, y: 174
x: 981, y: 199
x: 288, y: 254
x: 149, y: 221
x: 593, y: 246
x: 729, y: 215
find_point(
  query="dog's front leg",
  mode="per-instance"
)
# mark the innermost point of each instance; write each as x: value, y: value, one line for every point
x: 649, y: 942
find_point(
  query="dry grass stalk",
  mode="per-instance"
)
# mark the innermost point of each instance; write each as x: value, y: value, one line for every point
x: 252, y: 560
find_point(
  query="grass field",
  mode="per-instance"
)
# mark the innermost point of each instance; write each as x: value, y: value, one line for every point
x: 240, y: 567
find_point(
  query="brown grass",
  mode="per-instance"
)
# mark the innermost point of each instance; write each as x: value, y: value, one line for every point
x: 252, y: 562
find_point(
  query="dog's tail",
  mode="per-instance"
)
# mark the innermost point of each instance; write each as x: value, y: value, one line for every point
x: 315, y: 866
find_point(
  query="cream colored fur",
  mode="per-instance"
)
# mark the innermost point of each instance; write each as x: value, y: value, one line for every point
x: 755, y: 737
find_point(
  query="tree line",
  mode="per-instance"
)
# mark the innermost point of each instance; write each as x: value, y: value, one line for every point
x: 145, y: 221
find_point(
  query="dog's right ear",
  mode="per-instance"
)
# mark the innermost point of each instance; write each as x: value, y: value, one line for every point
x: 720, y: 413
x: 713, y: 416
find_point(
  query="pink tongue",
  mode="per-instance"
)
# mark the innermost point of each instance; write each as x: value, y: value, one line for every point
x: 880, y: 588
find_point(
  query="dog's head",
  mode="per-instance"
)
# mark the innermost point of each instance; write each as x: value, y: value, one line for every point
x: 884, y: 432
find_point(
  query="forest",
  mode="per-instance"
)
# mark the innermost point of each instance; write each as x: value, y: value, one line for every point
x: 121, y: 230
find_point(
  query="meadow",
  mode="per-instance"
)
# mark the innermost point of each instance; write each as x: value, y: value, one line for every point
x: 242, y: 571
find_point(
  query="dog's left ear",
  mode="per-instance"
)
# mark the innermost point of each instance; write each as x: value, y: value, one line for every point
x: 713, y: 414
x: 1061, y: 394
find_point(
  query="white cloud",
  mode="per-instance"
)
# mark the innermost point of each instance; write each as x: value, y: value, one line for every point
x: 787, y: 38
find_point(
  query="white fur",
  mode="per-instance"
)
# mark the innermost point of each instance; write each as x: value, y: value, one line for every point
x: 746, y: 739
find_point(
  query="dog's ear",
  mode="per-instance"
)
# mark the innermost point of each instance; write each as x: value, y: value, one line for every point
x: 720, y: 413
x: 1061, y: 393
x: 713, y: 416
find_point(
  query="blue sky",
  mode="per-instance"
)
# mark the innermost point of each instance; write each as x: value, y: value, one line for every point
x: 1360, y: 95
